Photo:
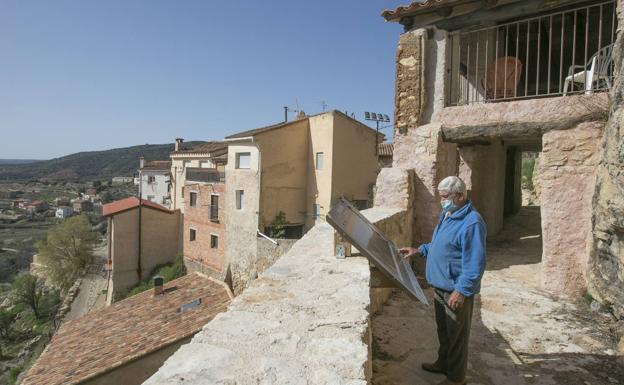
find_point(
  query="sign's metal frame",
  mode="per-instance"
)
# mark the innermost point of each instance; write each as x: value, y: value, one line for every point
x: 417, y: 292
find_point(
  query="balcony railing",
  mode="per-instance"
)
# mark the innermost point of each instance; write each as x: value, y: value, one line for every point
x: 547, y: 55
x: 206, y: 175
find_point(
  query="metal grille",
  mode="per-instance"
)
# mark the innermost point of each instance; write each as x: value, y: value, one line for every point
x: 547, y: 55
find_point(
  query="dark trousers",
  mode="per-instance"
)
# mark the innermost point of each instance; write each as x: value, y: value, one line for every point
x: 453, y: 334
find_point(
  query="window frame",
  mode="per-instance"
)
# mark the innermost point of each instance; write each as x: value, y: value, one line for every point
x: 238, y: 156
x: 239, y: 199
x: 192, y: 234
x: 316, y: 160
x: 214, y: 241
x: 193, y: 199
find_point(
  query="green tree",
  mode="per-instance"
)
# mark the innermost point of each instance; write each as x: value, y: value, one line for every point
x: 67, y: 250
x: 278, y: 226
x: 28, y: 290
x: 6, y: 323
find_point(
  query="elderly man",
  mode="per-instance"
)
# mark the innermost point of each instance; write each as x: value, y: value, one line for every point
x: 455, y: 261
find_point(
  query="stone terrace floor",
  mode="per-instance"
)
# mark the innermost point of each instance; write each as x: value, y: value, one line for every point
x: 520, y: 334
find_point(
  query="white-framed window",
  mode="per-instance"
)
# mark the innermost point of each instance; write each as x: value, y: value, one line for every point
x: 243, y: 160
x: 214, y: 208
x: 316, y: 210
x: 151, y: 179
x: 319, y: 160
x: 193, y: 199
x: 214, y: 241
x: 240, y: 199
x: 192, y: 235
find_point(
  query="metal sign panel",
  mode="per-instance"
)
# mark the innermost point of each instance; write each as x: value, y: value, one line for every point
x: 379, y: 250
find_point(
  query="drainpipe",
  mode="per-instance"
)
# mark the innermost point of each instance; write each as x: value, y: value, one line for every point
x: 139, y: 272
x: 267, y: 237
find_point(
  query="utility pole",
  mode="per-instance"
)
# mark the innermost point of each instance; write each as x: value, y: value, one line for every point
x: 376, y: 117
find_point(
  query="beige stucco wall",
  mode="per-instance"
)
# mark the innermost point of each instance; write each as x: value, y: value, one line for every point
x: 319, y: 189
x: 241, y: 225
x: 136, y: 372
x: 284, y: 163
x: 354, y: 159
x: 159, y: 244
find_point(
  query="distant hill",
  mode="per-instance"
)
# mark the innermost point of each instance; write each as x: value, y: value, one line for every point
x: 92, y: 165
x: 18, y: 161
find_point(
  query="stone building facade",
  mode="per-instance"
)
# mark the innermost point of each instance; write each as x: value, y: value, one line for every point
x: 448, y: 121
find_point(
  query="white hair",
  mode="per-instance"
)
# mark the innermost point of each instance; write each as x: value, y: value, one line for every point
x: 453, y: 185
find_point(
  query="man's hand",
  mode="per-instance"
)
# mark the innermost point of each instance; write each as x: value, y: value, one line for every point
x: 408, y: 251
x: 456, y: 300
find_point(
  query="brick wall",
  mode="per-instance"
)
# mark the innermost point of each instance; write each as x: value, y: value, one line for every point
x: 199, y: 252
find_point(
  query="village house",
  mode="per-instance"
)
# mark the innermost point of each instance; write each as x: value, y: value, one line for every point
x: 127, y: 342
x: 294, y: 170
x: 64, y: 212
x: 82, y: 205
x: 61, y: 201
x: 478, y: 84
x: 141, y: 235
x: 204, y: 224
x: 36, y: 206
x: 212, y: 155
x: 155, y: 181
x: 385, y: 155
x: 91, y: 192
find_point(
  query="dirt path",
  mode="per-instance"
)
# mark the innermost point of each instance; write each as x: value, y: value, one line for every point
x: 520, y: 334
x: 91, y: 295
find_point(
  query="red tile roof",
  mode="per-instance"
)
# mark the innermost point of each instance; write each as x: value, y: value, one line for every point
x: 414, y: 8
x: 157, y: 165
x: 217, y: 148
x: 386, y: 149
x: 88, y: 346
x: 125, y: 204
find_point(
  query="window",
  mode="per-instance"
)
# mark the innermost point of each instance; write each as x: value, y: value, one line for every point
x: 214, y: 208
x: 150, y: 198
x: 192, y: 235
x: 186, y: 163
x: 316, y: 210
x: 151, y: 179
x: 193, y: 199
x: 240, y: 195
x: 319, y: 160
x: 243, y: 159
x: 214, y: 241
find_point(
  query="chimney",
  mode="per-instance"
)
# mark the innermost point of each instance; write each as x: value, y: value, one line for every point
x: 301, y: 115
x: 178, y: 143
x: 141, y: 162
x: 158, y: 285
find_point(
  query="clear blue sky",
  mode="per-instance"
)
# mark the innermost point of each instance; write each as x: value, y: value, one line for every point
x: 89, y: 75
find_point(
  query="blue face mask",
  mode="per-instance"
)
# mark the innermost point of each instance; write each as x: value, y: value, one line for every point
x: 447, y: 205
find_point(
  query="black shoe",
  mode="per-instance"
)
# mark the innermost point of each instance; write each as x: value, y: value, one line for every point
x: 433, y: 367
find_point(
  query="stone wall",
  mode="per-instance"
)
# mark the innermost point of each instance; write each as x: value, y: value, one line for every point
x: 409, y: 91
x: 305, y: 320
x: 606, y: 272
x: 422, y: 150
x: 269, y: 252
x: 567, y: 178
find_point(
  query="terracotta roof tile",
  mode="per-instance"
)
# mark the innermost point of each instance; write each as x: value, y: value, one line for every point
x: 414, y: 8
x: 119, y: 206
x: 86, y: 347
x: 217, y: 148
x: 386, y: 149
x: 164, y: 165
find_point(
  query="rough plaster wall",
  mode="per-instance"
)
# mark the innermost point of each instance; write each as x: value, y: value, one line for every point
x: 395, y: 188
x: 606, y: 267
x: 567, y: 176
x: 268, y: 252
x: 409, y: 90
x: 241, y: 225
x: 422, y: 150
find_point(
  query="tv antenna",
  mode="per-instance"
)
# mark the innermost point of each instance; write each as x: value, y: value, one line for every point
x: 376, y: 117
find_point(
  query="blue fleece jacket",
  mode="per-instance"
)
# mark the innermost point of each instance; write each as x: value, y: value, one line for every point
x: 456, y: 254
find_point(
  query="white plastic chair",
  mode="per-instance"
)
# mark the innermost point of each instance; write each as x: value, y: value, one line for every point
x: 597, y: 69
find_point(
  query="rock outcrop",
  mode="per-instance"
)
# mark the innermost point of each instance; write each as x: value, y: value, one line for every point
x: 606, y: 267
